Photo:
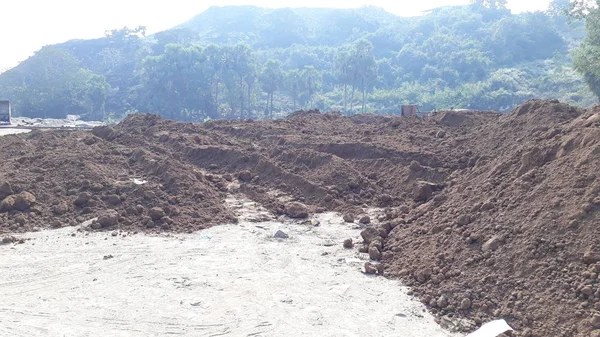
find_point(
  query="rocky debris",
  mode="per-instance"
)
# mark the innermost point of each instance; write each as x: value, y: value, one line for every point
x: 422, y: 191
x: 348, y: 218
x: 156, y: 213
x: 245, y: 176
x: 82, y: 199
x: 20, y: 202
x: 296, y: 210
x: 280, y: 235
x: 348, y: 244
x: 369, y: 234
x: 61, y: 209
x: 107, y: 219
x: 5, y: 190
x: 370, y: 268
x: 365, y: 220
x: 374, y: 253
x: 492, y: 244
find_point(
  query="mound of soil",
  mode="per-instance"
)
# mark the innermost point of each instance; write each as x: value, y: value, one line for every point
x: 486, y: 215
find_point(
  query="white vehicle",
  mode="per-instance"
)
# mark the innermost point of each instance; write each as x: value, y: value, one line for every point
x: 5, y: 112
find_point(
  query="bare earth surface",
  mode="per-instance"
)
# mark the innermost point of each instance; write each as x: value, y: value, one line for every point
x: 485, y: 216
x: 234, y: 280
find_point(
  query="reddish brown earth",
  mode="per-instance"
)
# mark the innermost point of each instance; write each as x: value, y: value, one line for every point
x: 487, y: 215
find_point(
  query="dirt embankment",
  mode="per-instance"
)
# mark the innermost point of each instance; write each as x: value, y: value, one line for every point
x: 487, y: 215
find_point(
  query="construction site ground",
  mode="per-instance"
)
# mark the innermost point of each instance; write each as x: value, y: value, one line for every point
x: 483, y: 215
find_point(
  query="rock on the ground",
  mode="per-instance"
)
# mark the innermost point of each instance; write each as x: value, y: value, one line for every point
x: 108, y: 218
x: 370, y: 268
x: 24, y: 201
x: 296, y: 210
x: 61, y: 209
x: 492, y: 244
x: 245, y: 176
x: 365, y: 220
x: 369, y: 234
x: 348, y: 218
x: 5, y: 190
x: 156, y: 213
x: 280, y: 235
x: 374, y: 253
x: 82, y: 199
x: 422, y: 191
x: 348, y: 244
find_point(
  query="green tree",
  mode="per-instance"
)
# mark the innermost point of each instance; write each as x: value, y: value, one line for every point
x: 312, y: 80
x: 271, y: 79
x: 293, y: 84
x: 587, y: 55
x: 177, y: 83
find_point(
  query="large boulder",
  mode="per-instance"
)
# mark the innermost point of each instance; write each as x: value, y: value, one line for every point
x: 296, y: 210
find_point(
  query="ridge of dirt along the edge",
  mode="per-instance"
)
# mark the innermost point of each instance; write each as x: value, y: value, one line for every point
x: 485, y: 215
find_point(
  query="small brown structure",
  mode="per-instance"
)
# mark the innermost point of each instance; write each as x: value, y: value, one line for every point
x: 410, y: 110
x: 5, y: 112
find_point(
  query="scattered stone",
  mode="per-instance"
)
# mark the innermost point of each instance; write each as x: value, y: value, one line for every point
x: 5, y: 190
x: 348, y: 218
x: 365, y: 220
x: 96, y: 225
x: 108, y: 218
x: 8, y: 204
x: 385, y: 198
x: 383, y: 232
x: 245, y: 176
x: 370, y: 268
x: 24, y: 201
x: 442, y: 302
x: 492, y: 244
x: 20, y: 219
x: 377, y: 244
x: 296, y: 210
x: 465, y: 304
x: 149, y: 223
x: 463, y: 220
x: 61, y: 209
x: 374, y: 253
x: 441, y: 134
x: 591, y: 257
x: 108, y: 257
x: 422, y: 191
x: 156, y: 213
x: 364, y: 249
x: 56, y: 224
x: 82, y: 199
x: 348, y: 244
x: 113, y: 200
x: 595, y: 321
x: 281, y: 235
x: 7, y: 239
x: 369, y: 234
x: 114, y: 233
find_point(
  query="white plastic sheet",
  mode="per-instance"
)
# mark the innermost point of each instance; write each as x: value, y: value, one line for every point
x: 492, y: 329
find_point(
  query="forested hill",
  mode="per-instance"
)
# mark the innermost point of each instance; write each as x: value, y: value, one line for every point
x: 238, y: 62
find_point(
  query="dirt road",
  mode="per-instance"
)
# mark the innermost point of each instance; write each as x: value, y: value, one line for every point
x: 227, y: 280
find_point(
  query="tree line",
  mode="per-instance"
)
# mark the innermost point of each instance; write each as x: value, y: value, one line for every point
x: 478, y: 56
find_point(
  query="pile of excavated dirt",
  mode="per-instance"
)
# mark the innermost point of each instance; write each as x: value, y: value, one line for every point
x: 486, y: 215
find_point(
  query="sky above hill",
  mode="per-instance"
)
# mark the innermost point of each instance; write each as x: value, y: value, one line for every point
x: 28, y: 25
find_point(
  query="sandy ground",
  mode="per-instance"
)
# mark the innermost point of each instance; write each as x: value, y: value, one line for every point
x: 9, y: 131
x: 234, y: 280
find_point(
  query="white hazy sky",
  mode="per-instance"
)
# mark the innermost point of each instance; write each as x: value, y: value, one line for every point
x: 28, y: 25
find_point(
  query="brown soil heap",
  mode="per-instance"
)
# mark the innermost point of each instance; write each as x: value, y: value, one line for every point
x: 487, y: 215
